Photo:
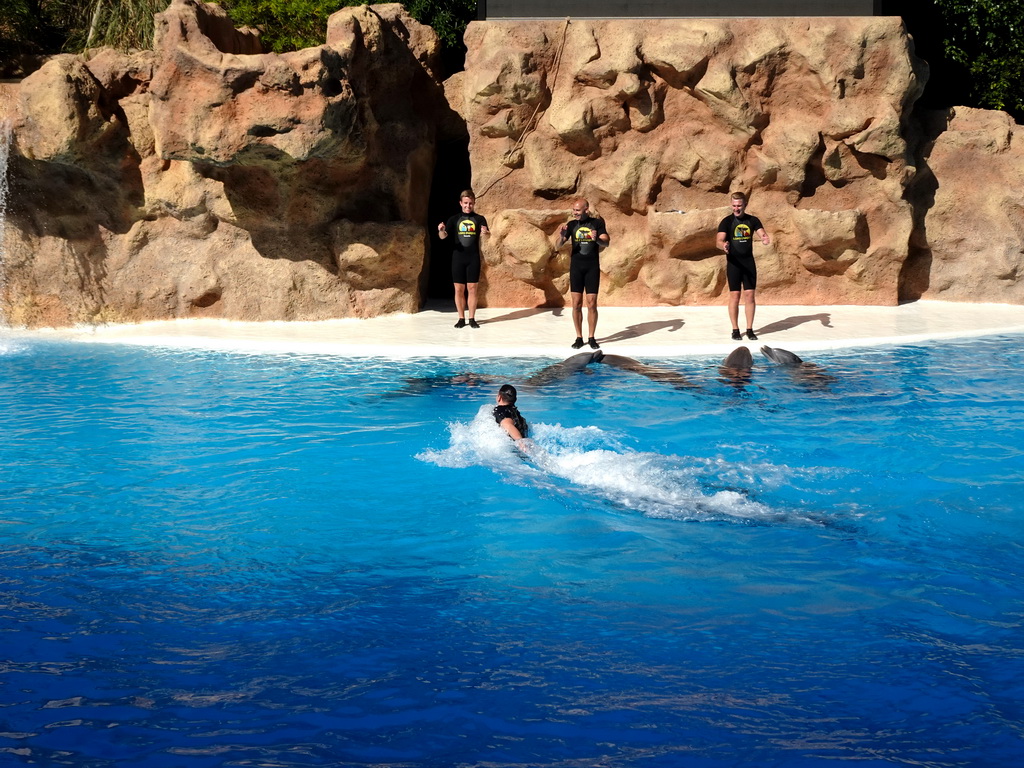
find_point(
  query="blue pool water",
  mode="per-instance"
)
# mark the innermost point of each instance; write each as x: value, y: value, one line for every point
x: 213, y: 559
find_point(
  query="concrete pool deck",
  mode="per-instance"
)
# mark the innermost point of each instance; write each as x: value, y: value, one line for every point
x: 659, y: 332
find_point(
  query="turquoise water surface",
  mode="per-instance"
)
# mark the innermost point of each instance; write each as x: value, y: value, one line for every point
x: 213, y: 559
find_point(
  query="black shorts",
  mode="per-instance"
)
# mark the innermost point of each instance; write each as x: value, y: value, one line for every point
x: 741, y: 274
x: 465, y: 269
x: 584, y: 275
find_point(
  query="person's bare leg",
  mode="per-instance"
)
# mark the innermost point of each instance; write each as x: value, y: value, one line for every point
x: 592, y: 319
x: 471, y: 289
x: 460, y: 299
x: 749, y: 305
x: 734, y: 309
x: 577, y: 313
x: 460, y: 303
x: 592, y: 314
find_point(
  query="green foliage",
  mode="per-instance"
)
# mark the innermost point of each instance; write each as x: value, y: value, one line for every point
x: 123, y: 24
x: 987, y: 38
x: 448, y: 18
x: 33, y: 26
x: 52, y: 26
x: 287, y: 25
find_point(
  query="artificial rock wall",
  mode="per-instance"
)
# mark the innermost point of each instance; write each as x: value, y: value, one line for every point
x: 655, y: 121
x: 205, y: 178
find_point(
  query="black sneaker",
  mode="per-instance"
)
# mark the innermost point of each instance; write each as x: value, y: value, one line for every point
x: 736, y: 336
x: 751, y: 335
x: 461, y: 323
x: 473, y: 323
x: 578, y: 343
x: 593, y: 343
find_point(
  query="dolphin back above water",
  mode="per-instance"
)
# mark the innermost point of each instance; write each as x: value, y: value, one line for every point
x: 735, y: 369
x: 562, y: 370
x: 739, y: 359
x: 661, y: 375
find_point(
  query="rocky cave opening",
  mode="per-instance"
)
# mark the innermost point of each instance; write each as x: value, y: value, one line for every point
x: 452, y: 174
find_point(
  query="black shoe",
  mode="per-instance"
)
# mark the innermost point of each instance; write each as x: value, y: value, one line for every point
x: 578, y: 343
x: 461, y: 323
x: 736, y: 335
x: 473, y: 323
x: 751, y: 335
x: 593, y: 343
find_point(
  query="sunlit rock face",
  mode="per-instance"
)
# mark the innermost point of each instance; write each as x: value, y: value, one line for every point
x: 205, y: 178
x: 968, y: 196
x: 655, y: 122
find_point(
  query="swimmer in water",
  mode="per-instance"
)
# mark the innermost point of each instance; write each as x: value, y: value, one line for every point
x: 509, y: 417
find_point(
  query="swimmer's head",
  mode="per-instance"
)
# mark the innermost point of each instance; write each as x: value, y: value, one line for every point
x: 507, y: 394
x: 580, y: 207
x: 467, y: 200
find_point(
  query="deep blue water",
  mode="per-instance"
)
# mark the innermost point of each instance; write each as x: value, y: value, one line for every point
x: 212, y: 559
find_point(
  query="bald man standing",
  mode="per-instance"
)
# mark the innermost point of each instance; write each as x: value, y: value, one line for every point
x: 588, y: 235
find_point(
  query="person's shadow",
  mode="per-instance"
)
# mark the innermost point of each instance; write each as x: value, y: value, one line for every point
x: 825, y: 318
x: 642, y: 329
x: 519, y: 314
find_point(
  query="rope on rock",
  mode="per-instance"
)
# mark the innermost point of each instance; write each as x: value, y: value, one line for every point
x: 512, y: 156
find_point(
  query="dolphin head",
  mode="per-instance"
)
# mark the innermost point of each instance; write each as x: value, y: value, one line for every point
x: 780, y: 356
x: 739, y: 359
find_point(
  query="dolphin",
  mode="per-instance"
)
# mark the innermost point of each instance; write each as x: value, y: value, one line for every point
x: 739, y: 359
x: 562, y: 370
x: 548, y: 375
x: 421, y: 385
x: 808, y: 373
x: 661, y: 375
x: 735, y: 369
x: 780, y: 356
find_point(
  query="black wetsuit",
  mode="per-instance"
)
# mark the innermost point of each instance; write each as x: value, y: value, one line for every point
x: 584, y: 265
x: 740, y: 270
x: 502, y: 412
x: 466, y: 229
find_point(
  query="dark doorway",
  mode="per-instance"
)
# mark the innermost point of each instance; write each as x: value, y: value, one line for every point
x: 452, y: 174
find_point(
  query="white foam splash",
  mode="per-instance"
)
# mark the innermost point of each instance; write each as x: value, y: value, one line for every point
x: 592, y: 461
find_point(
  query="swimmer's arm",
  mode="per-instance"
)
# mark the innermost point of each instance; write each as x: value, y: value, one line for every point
x: 485, y: 230
x: 723, y: 241
x: 526, y: 445
x: 509, y: 426
x: 764, y: 236
x: 442, y: 231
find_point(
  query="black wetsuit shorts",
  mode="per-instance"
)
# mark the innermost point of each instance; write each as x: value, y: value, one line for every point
x: 741, y: 272
x: 465, y: 268
x: 584, y: 275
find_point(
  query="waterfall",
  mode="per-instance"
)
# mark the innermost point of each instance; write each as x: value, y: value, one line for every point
x: 5, y: 153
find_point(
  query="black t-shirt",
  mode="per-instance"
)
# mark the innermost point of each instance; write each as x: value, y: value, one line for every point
x: 739, y: 232
x: 502, y: 412
x: 583, y: 234
x: 466, y: 228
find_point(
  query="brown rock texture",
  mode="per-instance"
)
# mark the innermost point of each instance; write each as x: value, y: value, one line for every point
x: 968, y: 244
x: 656, y: 121
x: 205, y: 178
